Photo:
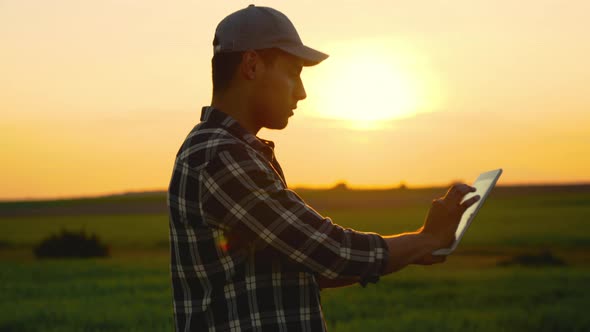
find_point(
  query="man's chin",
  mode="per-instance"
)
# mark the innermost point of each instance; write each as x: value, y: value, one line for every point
x: 278, y: 125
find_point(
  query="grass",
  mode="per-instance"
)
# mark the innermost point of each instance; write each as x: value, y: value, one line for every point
x: 131, y: 290
x: 130, y: 294
x: 85, y: 295
x: 463, y: 299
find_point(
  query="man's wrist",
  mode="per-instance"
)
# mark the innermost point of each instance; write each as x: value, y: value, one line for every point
x: 431, y: 238
x: 407, y: 248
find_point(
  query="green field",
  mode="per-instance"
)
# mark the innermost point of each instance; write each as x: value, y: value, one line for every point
x: 130, y: 291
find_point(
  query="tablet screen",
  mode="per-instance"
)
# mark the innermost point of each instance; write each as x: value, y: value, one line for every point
x: 483, y: 185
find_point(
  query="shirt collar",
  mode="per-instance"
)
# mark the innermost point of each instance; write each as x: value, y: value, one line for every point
x: 214, y: 116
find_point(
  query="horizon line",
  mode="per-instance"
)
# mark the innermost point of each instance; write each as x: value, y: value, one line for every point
x: 342, y: 185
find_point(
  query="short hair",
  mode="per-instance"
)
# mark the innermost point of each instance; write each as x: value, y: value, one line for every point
x: 225, y: 65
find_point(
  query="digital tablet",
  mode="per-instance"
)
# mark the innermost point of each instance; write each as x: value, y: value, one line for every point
x: 483, y: 185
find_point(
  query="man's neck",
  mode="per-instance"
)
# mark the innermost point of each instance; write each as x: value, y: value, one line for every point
x: 237, y: 108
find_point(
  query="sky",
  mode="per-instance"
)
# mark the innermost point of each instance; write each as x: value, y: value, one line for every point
x: 97, y: 96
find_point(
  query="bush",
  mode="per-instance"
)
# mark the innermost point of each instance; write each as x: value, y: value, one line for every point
x: 71, y: 244
x: 545, y: 258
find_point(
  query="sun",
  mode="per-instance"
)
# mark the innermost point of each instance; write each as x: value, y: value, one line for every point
x: 366, y: 84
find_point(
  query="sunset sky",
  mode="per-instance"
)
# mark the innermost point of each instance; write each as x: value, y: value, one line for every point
x: 97, y: 96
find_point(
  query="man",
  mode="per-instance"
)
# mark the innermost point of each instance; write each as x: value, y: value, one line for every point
x: 247, y: 253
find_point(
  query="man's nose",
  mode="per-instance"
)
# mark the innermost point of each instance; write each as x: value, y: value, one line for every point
x: 300, y: 91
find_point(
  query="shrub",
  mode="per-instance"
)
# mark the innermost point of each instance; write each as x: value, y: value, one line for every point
x: 545, y: 258
x: 71, y: 244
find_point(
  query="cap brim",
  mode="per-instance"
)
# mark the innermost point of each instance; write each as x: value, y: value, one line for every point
x: 310, y: 56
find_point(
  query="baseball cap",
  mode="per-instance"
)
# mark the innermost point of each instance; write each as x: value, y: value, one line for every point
x: 255, y: 28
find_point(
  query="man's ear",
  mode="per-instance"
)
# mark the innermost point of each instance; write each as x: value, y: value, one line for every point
x: 251, y: 65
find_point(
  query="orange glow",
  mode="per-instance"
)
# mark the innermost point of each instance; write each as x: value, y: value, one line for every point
x: 369, y: 82
x: 407, y: 95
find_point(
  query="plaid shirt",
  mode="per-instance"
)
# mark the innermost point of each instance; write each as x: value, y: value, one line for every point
x: 245, y: 250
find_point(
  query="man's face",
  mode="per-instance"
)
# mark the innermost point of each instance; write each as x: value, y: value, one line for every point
x: 278, y: 90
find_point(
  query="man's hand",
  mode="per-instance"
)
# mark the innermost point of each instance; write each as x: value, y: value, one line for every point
x: 438, y: 231
x: 430, y: 259
x: 445, y: 213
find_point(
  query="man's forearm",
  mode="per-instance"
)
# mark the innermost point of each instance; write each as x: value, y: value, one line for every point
x: 404, y: 249
x: 407, y: 248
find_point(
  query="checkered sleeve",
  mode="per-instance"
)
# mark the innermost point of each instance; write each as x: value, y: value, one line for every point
x: 242, y: 194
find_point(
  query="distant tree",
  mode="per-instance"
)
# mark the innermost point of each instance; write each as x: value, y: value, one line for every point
x: 340, y: 186
x: 70, y: 244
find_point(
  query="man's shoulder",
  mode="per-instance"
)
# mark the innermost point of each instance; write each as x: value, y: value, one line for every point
x: 206, y: 143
